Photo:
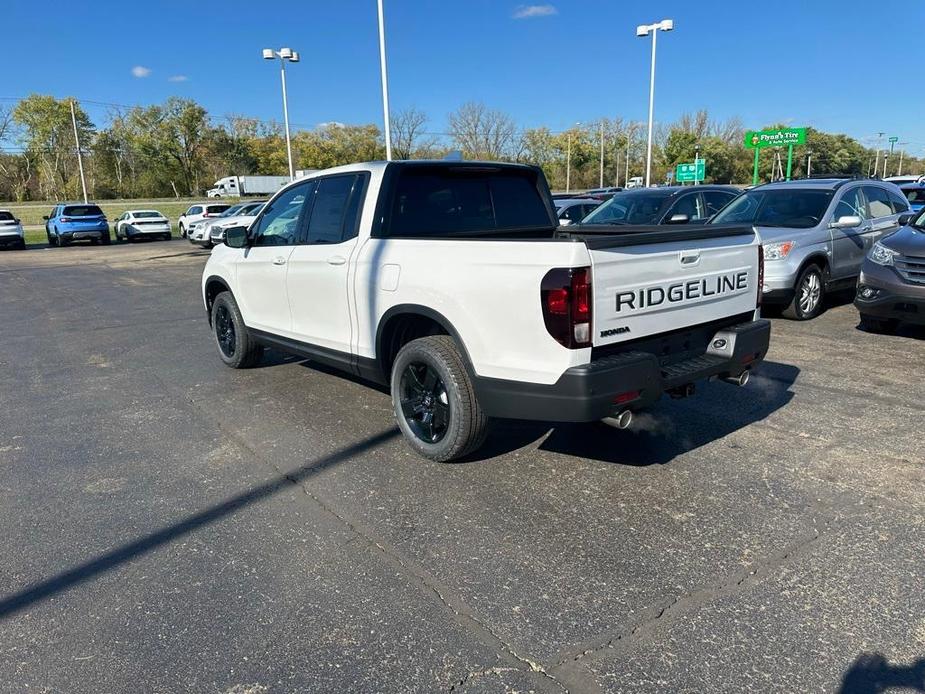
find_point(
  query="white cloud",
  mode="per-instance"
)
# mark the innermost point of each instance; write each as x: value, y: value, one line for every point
x: 141, y: 71
x: 530, y: 11
x: 177, y: 78
x: 332, y: 124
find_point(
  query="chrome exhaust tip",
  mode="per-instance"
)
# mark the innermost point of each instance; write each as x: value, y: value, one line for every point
x: 622, y: 420
x: 739, y: 380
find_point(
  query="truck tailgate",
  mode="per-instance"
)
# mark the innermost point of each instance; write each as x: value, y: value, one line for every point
x: 653, y: 281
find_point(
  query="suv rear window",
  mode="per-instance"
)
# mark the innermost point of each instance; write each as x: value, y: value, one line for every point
x: 212, y: 209
x: 6, y: 216
x: 451, y: 201
x: 82, y: 211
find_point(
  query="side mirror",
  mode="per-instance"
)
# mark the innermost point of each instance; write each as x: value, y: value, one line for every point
x: 17, y: 221
x: 905, y: 218
x: 679, y: 219
x: 46, y: 217
x: 236, y: 237
x: 847, y: 222
x: 564, y: 222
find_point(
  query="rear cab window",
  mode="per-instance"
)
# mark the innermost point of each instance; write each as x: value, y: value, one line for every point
x: 448, y: 201
x: 215, y: 209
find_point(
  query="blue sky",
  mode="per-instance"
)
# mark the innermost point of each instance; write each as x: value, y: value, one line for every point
x: 818, y: 63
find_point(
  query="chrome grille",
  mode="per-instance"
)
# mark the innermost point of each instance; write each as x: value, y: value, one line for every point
x: 911, y: 268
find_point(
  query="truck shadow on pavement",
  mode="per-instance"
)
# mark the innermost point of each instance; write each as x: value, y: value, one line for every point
x: 659, y: 435
x: 871, y: 673
x: 42, y: 590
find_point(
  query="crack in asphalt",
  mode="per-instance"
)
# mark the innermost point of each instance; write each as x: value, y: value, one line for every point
x: 695, y: 599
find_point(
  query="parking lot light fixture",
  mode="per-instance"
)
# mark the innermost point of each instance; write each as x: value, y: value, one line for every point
x: 642, y: 31
x: 284, y: 55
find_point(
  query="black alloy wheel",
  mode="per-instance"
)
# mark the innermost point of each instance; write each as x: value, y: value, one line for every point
x: 224, y: 331
x: 424, y: 402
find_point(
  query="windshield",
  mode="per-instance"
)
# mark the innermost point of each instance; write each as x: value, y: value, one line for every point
x: 629, y: 208
x: 82, y: 211
x: 147, y: 215
x: 794, y: 209
x: 229, y: 212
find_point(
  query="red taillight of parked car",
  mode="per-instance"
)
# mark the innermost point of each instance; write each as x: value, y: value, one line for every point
x: 760, y: 273
x: 566, y: 300
x: 64, y: 219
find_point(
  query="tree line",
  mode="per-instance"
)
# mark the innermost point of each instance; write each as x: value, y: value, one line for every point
x: 176, y: 149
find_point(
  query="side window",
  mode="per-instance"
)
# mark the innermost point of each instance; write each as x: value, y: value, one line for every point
x: 878, y: 202
x: 898, y: 201
x: 586, y: 210
x: 850, y: 205
x: 574, y: 213
x: 279, y: 223
x: 689, y: 205
x: 716, y: 200
x: 328, y: 218
x: 54, y: 213
x: 195, y: 209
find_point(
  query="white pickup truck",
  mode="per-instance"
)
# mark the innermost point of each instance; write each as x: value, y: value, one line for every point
x: 452, y: 283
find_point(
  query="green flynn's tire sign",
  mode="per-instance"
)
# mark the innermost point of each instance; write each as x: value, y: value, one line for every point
x: 782, y: 137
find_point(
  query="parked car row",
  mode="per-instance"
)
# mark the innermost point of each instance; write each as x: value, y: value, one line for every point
x: 818, y: 235
x: 11, y: 231
x: 209, y: 230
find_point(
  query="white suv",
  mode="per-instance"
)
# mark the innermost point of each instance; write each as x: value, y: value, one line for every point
x: 198, y: 212
x: 11, y: 232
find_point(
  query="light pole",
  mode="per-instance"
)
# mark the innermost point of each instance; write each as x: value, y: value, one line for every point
x: 292, y: 56
x: 568, y: 162
x: 877, y: 158
x: 809, y: 164
x: 696, y: 162
x: 644, y: 30
x: 601, y: 184
x: 901, y: 152
x: 385, y: 86
x: 80, y: 161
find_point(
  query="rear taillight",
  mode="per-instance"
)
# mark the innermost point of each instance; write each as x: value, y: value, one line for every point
x: 760, y: 274
x: 565, y: 295
x: 65, y: 219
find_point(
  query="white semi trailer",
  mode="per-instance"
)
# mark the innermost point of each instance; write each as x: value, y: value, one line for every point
x: 236, y: 186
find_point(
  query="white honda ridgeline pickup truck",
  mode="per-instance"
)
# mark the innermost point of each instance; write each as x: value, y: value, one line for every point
x: 452, y: 283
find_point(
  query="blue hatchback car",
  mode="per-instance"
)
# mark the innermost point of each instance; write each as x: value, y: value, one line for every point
x: 73, y: 221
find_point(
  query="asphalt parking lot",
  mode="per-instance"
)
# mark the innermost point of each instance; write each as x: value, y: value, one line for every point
x: 176, y: 526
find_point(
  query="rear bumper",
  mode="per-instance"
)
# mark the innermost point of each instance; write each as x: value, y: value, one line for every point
x: 587, y: 393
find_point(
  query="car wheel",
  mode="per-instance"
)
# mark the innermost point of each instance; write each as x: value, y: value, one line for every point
x: 434, y: 401
x: 808, y: 295
x: 235, y: 345
x: 182, y: 231
x: 106, y: 239
x: 21, y: 246
x: 883, y: 326
x: 61, y: 242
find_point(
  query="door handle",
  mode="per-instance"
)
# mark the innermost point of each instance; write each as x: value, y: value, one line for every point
x: 337, y: 260
x: 279, y: 260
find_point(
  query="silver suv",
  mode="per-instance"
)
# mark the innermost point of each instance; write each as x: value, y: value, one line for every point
x: 815, y: 233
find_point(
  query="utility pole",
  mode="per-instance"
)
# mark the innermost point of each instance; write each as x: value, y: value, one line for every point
x: 80, y: 161
x: 601, y: 184
x: 877, y: 158
x: 629, y: 134
x: 568, y: 164
x: 901, y: 152
x: 809, y: 164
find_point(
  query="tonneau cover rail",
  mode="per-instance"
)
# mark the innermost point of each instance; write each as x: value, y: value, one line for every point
x: 617, y: 236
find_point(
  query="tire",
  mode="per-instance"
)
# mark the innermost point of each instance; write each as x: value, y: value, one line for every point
x: 434, y: 401
x: 236, y: 348
x: 182, y: 231
x: 880, y: 326
x: 808, y: 294
x: 21, y: 246
x: 106, y: 239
